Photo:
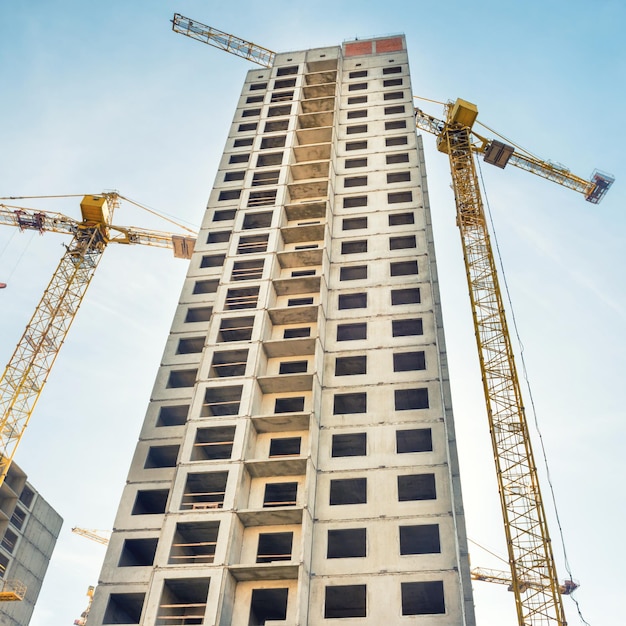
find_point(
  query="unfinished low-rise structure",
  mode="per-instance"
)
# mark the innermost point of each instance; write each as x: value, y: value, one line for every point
x: 297, y: 463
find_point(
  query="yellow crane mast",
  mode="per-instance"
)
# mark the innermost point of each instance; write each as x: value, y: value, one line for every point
x: 28, y: 369
x: 528, y: 540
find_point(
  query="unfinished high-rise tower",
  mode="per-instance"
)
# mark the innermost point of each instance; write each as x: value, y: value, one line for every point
x: 297, y: 464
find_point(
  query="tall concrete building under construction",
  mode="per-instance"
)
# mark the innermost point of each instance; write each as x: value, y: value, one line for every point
x: 297, y: 464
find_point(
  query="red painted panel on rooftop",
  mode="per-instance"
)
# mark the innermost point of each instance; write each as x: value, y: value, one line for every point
x: 389, y: 45
x: 358, y: 48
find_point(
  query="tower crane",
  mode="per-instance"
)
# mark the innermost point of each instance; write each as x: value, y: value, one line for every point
x: 29, y: 367
x: 528, y: 542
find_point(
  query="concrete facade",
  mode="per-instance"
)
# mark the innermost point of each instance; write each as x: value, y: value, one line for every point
x: 30, y: 527
x: 297, y: 463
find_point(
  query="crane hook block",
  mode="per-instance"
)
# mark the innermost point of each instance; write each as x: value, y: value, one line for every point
x: 601, y: 184
x: 498, y: 153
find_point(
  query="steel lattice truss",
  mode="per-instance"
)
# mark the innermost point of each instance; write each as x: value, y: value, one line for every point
x: 530, y: 551
x: 27, y: 371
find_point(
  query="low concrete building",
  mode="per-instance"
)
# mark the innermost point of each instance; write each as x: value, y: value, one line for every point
x: 29, y: 527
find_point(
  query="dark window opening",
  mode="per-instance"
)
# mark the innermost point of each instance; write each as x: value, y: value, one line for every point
x: 204, y: 491
x: 230, y: 176
x: 422, y: 539
x: 269, y: 177
x: 358, y: 74
x: 276, y: 126
x: 357, y: 86
x: 405, y: 296
x: 280, y: 494
x: 220, y: 401
x: 346, y: 543
x: 274, y: 547
x: 398, y: 177
x: 223, y: 236
x: 252, y: 244
x: 356, y: 162
x: 246, y: 127
x: 293, y: 367
x: 138, y: 552
x: 205, y: 286
x: 409, y: 399
x: 229, y: 363
x: 392, y: 82
x: 183, y: 601
x: 239, y: 158
x: 357, y: 99
x: 353, y: 247
x: 285, y: 83
x: 414, y: 440
x: 287, y: 71
x: 150, y: 502
x: 224, y: 216
x: 257, y: 86
x: 397, y: 219
x: 268, y: 604
x: 394, y: 95
x: 356, y: 145
x: 230, y: 194
x: 409, y: 361
x: 179, y: 379
x: 356, y: 114
x: 352, y: 332
x: 416, y: 487
x: 354, y: 272
x: 248, y: 270
x: 423, y: 598
x: 240, y: 143
x: 355, y: 181
x: 213, y: 444
x: 289, y: 405
x: 397, y: 141
x: 253, y: 99
x: 396, y: 69
x: 349, y: 403
x: 283, y: 109
x: 394, y: 109
x: 285, y: 446
x: 262, y: 198
x: 354, y: 223
x: 401, y: 157
x: 212, y: 260
x: 235, y: 329
x: 172, y: 415
x: 299, y: 301
x: 266, y: 160
x: 401, y: 243
x: 124, y: 608
x: 295, y: 333
x: 282, y: 96
x: 350, y: 365
x: 191, y: 345
x: 245, y: 298
x: 343, y: 601
x: 273, y: 142
x: 354, y: 130
x: 355, y: 201
x: 404, y: 268
x: 349, y: 444
x: 348, y: 491
x: 161, y: 456
x: 194, y: 542
x: 257, y: 220
x: 352, y: 301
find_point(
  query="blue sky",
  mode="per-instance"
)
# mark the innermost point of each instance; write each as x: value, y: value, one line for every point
x: 99, y: 96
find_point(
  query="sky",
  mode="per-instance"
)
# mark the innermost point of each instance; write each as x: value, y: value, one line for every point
x: 101, y: 96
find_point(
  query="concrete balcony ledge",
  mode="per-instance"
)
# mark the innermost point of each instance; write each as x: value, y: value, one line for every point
x: 312, y: 152
x: 320, y: 90
x: 277, y: 516
x: 289, y: 347
x: 285, y: 570
x: 318, y: 105
x: 283, y: 422
x: 296, y: 285
x: 285, y: 382
x: 300, y: 258
x: 307, y: 136
x: 315, y: 120
x: 310, y: 170
x: 306, y: 232
x: 309, y: 189
x: 321, y: 77
x: 284, y: 466
x: 294, y: 314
